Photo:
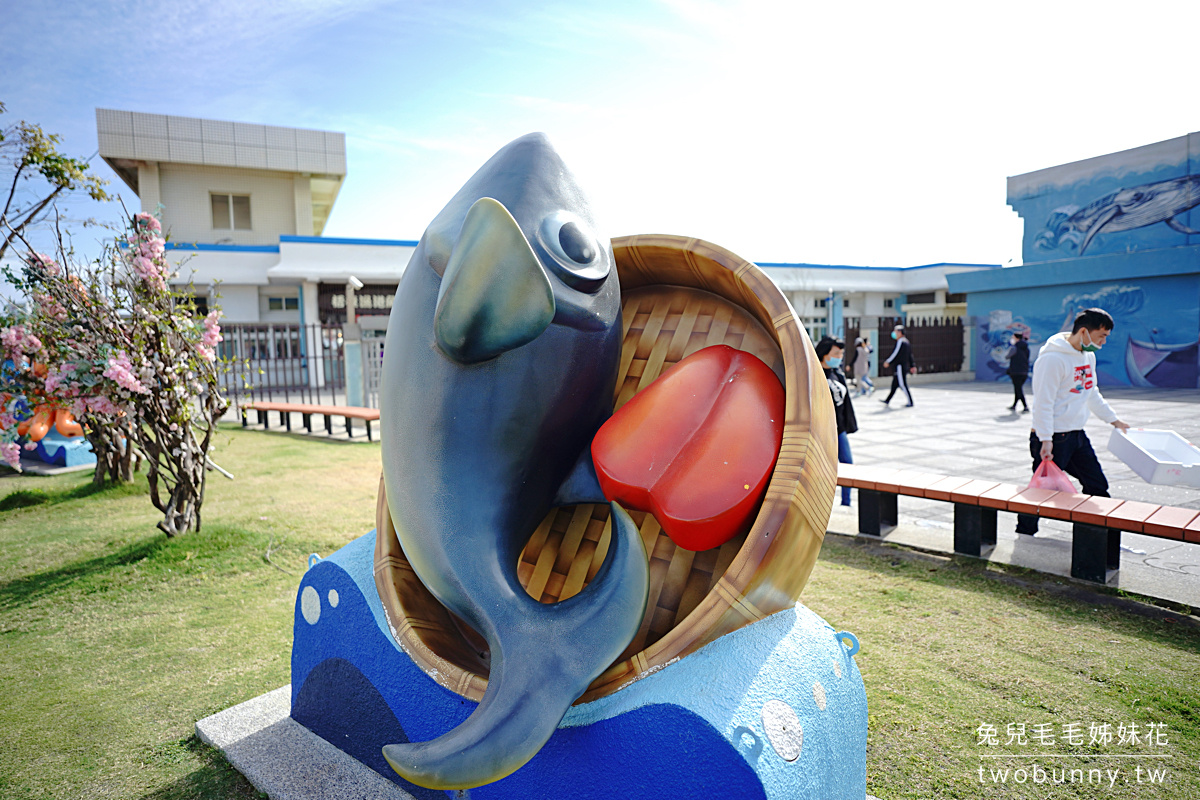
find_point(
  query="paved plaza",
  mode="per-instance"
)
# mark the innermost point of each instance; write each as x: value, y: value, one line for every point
x: 966, y: 429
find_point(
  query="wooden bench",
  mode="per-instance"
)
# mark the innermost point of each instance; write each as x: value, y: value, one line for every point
x: 307, y: 410
x: 1097, y: 522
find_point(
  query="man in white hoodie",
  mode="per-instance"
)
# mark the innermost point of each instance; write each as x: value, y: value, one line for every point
x: 1064, y: 393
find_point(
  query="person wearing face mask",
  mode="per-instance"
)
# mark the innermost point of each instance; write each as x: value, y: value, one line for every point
x: 1018, y: 370
x: 901, y: 363
x: 1065, y: 392
x: 830, y: 352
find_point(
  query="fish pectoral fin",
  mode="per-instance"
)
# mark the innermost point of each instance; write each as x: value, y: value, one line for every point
x: 1100, y: 222
x: 494, y: 295
x: 1179, y: 226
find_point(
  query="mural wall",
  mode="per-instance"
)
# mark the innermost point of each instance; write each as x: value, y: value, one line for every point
x: 1119, y: 232
x: 1132, y: 201
x: 1154, y: 342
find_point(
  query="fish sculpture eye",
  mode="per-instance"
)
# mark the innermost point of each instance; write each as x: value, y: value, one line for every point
x: 576, y: 257
x: 576, y: 244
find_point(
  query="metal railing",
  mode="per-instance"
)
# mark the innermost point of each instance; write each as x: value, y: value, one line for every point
x: 372, y: 352
x: 288, y: 362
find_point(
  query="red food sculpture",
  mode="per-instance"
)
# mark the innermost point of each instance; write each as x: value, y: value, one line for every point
x: 696, y: 447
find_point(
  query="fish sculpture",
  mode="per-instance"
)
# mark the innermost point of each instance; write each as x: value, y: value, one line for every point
x: 1123, y: 210
x: 500, y: 364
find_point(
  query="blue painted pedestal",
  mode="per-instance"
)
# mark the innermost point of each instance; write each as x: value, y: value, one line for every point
x: 774, y: 710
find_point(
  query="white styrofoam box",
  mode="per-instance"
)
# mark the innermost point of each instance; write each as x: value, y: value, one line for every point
x: 1157, y: 456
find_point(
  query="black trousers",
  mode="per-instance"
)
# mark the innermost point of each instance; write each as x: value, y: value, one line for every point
x: 1073, y: 454
x: 899, y: 381
x: 1019, y: 390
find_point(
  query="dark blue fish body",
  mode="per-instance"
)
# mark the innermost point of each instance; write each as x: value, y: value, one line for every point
x: 500, y: 364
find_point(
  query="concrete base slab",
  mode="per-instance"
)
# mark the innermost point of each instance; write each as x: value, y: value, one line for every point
x: 286, y: 761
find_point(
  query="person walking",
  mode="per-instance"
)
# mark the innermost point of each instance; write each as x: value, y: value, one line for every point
x: 830, y: 352
x: 862, y: 366
x: 901, y: 364
x: 1018, y: 370
x: 1065, y: 392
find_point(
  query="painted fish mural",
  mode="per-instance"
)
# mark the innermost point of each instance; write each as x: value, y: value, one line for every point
x: 1072, y: 227
x: 502, y: 358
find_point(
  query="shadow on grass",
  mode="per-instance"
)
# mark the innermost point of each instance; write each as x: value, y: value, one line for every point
x: 1051, y: 595
x: 24, y: 498
x: 215, y: 776
x: 26, y: 590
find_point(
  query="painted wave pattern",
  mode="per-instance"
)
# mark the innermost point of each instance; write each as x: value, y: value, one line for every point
x: 774, y: 710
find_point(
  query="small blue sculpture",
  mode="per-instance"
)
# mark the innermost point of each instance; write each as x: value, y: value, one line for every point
x: 501, y: 360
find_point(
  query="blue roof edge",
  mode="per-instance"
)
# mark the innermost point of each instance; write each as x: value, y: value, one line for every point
x: 337, y: 240
x: 1088, y: 269
x: 224, y: 248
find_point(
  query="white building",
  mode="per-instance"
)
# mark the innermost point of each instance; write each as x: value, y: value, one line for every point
x: 245, y: 205
x: 824, y: 295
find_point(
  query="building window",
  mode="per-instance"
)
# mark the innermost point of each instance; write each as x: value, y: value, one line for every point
x: 283, y: 303
x: 889, y: 303
x: 956, y: 297
x: 231, y: 212
x: 922, y: 297
x: 845, y: 303
x: 821, y: 303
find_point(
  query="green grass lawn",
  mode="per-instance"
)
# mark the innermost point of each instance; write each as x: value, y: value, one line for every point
x: 115, y: 640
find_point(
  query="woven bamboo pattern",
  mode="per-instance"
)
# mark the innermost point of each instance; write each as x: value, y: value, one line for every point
x: 679, y: 295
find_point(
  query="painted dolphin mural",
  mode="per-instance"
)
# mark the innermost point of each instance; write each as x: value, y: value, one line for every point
x: 1123, y: 210
x: 502, y: 355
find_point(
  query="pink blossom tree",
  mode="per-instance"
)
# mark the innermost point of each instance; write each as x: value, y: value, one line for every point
x: 125, y: 351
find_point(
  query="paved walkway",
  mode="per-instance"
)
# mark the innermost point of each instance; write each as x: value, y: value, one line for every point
x: 966, y: 429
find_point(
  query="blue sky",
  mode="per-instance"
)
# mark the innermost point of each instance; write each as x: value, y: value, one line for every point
x: 865, y: 133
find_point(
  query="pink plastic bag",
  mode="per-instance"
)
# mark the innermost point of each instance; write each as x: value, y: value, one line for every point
x: 1049, y: 476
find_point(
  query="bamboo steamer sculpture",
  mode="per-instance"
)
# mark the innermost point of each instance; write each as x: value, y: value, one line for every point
x: 678, y: 296
x: 464, y: 646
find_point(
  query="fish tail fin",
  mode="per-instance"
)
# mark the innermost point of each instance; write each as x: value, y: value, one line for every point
x: 536, y: 674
